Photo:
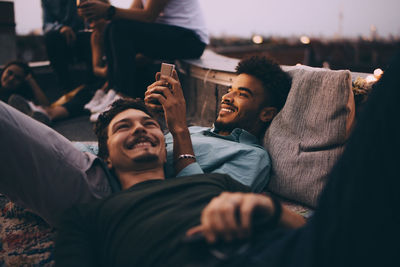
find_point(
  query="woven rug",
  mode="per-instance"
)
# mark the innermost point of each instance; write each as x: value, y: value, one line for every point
x: 25, y: 239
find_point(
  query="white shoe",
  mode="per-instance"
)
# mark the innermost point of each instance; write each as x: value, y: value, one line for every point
x: 106, y: 101
x: 95, y: 115
x: 96, y: 99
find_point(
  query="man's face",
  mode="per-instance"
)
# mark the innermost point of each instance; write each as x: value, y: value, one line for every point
x: 241, y: 105
x: 135, y: 142
x: 12, y: 77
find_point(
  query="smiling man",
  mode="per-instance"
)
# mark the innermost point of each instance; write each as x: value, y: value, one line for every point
x: 232, y: 146
x: 144, y: 223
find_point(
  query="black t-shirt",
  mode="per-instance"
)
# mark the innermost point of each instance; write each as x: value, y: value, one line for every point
x: 140, y: 226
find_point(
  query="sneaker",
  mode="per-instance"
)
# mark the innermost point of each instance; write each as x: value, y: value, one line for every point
x: 107, y: 100
x: 95, y: 115
x: 96, y: 99
x: 30, y: 109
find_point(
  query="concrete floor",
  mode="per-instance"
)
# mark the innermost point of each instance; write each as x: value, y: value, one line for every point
x: 76, y: 129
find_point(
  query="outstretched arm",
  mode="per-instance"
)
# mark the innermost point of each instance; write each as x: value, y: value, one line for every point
x: 229, y: 215
x: 39, y: 96
x: 168, y: 92
x: 147, y: 13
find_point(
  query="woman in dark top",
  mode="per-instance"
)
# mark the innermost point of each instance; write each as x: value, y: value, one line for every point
x: 17, y: 78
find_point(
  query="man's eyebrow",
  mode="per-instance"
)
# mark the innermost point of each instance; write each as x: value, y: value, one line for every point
x: 118, y: 122
x: 151, y: 119
x: 246, y: 89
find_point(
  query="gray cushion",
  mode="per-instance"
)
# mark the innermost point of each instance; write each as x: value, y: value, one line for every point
x: 308, y: 135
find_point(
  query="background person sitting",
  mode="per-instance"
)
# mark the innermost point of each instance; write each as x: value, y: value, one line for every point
x: 17, y: 80
x: 159, y: 29
x: 74, y: 102
x: 66, y: 40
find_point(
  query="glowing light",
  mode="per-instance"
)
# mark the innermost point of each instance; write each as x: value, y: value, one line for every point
x: 257, y: 39
x: 378, y: 73
x: 370, y: 79
x: 298, y: 64
x: 304, y: 39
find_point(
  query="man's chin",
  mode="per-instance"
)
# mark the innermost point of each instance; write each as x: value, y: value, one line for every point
x: 146, y: 158
x: 225, y: 126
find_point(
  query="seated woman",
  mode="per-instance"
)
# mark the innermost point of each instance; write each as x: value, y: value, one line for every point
x: 17, y: 81
x: 159, y: 29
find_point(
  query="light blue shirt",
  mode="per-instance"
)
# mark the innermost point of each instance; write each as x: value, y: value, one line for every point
x: 238, y: 155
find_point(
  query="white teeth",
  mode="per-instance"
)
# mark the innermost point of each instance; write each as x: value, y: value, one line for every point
x: 226, y: 110
x: 142, y: 144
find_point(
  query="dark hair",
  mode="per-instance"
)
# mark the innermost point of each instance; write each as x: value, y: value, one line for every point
x: 101, y: 126
x: 25, y: 67
x: 276, y: 82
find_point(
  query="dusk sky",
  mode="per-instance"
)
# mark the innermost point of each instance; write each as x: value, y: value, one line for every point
x: 266, y: 17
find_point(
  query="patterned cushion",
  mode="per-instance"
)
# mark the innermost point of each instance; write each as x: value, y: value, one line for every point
x: 308, y: 135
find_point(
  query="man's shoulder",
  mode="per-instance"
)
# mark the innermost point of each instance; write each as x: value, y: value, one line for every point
x: 198, y: 129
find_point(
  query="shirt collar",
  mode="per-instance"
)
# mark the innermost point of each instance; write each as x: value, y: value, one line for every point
x: 237, y: 135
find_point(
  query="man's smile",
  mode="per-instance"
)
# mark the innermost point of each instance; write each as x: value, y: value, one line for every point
x: 226, y: 108
x: 141, y: 142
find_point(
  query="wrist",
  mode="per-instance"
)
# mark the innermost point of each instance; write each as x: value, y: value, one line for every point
x: 179, y: 131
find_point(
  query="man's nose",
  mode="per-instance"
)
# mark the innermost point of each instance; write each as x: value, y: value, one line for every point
x: 228, y: 97
x: 138, y: 129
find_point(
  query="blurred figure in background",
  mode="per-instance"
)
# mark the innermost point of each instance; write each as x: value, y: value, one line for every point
x: 159, y: 29
x: 73, y: 103
x: 17, y: 82
x: 66, y: 40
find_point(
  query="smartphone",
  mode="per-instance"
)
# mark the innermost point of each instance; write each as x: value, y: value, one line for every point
x: 166, y: 69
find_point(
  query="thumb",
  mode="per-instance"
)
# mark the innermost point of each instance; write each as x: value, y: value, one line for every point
x: 175, y: 75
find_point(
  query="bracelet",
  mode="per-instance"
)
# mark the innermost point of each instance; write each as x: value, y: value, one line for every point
x: 186, y: 156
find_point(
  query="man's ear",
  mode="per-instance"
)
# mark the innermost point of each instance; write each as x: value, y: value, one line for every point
x: 267, y: 114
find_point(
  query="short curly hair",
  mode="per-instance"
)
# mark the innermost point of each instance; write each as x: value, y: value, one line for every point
x: 101, y: 126
x: 276, y: 82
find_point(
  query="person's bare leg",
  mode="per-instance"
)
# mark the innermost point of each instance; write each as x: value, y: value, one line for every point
x: 57, y: 113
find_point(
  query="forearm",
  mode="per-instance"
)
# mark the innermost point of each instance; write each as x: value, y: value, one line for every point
x: 39, y: 96
x: 137, y: 11
x: 137, y: 4
x: 182, y: 146
x: 135, y: 14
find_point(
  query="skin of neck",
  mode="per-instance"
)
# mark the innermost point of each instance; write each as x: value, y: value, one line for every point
x: 129, y: 178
